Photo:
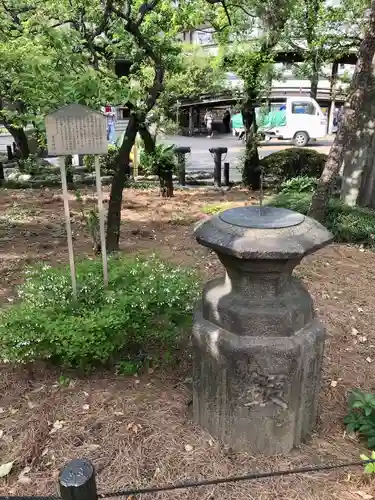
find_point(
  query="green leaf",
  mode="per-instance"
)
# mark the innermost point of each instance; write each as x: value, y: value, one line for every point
x: 369, y: 468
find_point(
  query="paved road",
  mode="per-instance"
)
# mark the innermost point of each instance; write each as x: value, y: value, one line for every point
x: 5, y: 140
x: 201, y: 159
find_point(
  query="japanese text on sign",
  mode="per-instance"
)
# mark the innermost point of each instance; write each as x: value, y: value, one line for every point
x: 76, y: 129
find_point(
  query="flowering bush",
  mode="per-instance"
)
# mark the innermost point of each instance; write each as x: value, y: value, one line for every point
x: 147, y: 306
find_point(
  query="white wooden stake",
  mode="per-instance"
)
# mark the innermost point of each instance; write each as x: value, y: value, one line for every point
x: 68, y: 226
x: 101, y: 219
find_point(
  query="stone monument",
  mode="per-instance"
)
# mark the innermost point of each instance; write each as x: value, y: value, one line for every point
x: 257, y: 345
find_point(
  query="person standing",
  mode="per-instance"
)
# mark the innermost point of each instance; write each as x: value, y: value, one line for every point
x: 111, y: 127
x: 226, y: 121
x: 208, y: 119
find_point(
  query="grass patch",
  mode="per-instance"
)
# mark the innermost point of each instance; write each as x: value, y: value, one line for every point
x: 146, y: 308
x: 347, y: 224
x: 215, y: 208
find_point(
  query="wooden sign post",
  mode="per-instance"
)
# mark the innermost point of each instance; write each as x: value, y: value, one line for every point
x: 76, y: 129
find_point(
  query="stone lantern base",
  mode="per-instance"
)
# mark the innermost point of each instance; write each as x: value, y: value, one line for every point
x: 257, y: 345
x: 257, y: 394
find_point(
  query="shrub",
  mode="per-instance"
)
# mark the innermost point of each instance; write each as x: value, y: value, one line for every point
x: 147, y: 306
x: 160, y: 162
x: 294, y: 162
x: 348, y: 224
x: 301, y: 184
x: 361, y: 415
x: 31, y: 165
x: 108, y: 162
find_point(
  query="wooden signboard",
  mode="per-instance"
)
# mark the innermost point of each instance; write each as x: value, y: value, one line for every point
x: 76, y: 129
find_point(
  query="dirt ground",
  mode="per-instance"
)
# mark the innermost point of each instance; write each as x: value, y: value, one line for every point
x: 137, y: 430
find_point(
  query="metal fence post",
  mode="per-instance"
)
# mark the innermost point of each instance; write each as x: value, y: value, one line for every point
x: 77, y: 481
x: 226, y: 174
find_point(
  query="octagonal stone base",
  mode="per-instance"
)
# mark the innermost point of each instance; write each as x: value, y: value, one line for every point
x: 256, y: 394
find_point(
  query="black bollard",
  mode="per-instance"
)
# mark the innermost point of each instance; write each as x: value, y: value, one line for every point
x: 77, y: 481
x: 217, y: 153
x: 180, y: 152
x: 10, y: 153
x: 226, y: 174
x: 2, y: 177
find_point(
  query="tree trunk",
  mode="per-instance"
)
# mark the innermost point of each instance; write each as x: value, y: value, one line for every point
x: 168, y: 184
x: 20, y: 139
x: 148, y: 140
x: 118, y: 183
x: 251, y: 170
x: 162, y: 187
x: 314, y: 81
x: 333, y: 83
x: 353, y: 141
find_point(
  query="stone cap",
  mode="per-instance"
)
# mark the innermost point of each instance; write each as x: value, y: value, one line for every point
x: 220, y: 150
x: 182, y: 149
x: 290, y: 236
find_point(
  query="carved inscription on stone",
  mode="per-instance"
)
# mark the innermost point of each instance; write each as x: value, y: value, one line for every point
x: 260, y: 389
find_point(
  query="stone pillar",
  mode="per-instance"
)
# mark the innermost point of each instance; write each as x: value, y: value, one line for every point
x: 181, y: 152
x: 217, y: 155
x: 258, y: 347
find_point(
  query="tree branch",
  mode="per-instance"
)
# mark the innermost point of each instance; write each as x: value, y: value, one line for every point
x: 132, y: 28
x: 144, y: 9
x: 104, y: 22
x: 237, y: 6
x: 156, y: 88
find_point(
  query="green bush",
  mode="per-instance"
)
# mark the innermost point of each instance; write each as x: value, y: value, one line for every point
x: 294, y: 162
x: 301, y: 184
x: 361, y: 415
x: 348, y: 224
x: 160, y: 162
x: 108, y: 162
x: 89, y: 163
x: 31, y: 165
x: 146, y: 307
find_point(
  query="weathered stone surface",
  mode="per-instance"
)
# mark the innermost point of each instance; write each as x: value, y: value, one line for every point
x: 262, y: 244
x: 258, y: 348
x: 257, y: 394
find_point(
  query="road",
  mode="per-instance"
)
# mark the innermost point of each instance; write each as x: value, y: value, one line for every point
x: 200, y: 158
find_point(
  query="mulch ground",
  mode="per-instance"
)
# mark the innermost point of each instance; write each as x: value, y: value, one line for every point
x: 137, y: 431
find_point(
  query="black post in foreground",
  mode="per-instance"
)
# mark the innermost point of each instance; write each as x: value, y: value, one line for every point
x: 217, y: 153
x: 226, y: 174
x: 77, y: 481
x: 180, y: 152
x: 10, y: 153
x: 2, y: 177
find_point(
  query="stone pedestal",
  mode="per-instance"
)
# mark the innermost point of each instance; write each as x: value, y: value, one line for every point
x: 258, y: 348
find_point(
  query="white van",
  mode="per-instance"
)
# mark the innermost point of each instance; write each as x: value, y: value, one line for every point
x: 299, y: 119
